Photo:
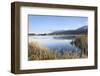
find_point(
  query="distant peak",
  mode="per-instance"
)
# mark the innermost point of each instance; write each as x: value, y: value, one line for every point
x: 83, y: 27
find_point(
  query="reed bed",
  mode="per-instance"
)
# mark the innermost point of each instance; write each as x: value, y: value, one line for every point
x: 37, y: 52
x: 82, y: 43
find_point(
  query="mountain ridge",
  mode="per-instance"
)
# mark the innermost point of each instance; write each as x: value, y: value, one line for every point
x: 81, y: 30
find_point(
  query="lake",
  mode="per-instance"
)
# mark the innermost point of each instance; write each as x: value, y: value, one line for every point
x: 58, y: 43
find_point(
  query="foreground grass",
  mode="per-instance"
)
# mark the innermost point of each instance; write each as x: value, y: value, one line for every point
x: 36, y: 52
x: 82, y: 43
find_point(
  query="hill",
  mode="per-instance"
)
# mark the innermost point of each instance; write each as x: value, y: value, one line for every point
x: 81, y: 30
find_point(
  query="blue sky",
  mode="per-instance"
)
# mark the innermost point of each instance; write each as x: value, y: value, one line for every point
x: 46, y: 24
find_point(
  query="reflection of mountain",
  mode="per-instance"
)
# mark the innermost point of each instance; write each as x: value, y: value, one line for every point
x: 81, y: 30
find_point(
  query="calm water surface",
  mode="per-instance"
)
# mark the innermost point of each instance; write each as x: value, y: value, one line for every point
x: 59, y: 43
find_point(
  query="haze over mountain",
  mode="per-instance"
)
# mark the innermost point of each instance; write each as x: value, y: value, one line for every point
x: 81, y: 30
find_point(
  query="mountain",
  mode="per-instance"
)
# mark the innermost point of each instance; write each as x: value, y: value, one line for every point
x: 31, y: 34
x: 81, y: 30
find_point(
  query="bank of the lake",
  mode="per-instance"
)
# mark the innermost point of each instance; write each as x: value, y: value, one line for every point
x: 57, y: 47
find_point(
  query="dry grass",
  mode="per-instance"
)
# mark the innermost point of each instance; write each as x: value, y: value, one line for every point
x: 37, y: 52
x: 82, y: 43
x: 68, y: 55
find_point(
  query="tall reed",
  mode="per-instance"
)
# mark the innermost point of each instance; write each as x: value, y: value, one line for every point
x: 37, y: 52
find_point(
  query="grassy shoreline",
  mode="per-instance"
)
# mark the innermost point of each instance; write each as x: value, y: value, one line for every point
x: 37, y: 52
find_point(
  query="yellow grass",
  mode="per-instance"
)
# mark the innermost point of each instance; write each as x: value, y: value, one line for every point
x: 82, y: 43
x: 37, y: 52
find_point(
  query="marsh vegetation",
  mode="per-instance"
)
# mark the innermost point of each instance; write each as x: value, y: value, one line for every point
x: 57, y: 37
x: 57, y: 47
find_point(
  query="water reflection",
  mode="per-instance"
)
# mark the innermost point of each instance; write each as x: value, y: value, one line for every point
x: 58, y: 43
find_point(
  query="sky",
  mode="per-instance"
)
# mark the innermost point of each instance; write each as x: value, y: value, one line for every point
x: 40, y: 24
